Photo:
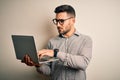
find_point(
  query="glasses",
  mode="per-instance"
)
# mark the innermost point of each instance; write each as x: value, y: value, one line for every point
x: 61, y: 21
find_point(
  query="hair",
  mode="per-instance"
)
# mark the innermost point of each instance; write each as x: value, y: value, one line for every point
x: 65, y: 8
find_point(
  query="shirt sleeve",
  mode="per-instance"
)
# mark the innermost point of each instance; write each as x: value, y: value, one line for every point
x: 45, y: 68
x: 80, y: 61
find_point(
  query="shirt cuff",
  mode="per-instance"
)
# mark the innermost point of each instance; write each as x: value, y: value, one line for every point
x: 62, y: 56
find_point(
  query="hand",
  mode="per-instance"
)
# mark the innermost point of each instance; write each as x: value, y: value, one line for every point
x: 28, y: 61
x: 46, y: 52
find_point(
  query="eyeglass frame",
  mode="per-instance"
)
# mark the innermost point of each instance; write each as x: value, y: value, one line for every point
x: 61, y: 21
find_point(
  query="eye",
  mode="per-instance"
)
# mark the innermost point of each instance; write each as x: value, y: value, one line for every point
x: 61, y: 21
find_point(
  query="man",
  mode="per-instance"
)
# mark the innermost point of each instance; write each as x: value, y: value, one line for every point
x: 73, y: 49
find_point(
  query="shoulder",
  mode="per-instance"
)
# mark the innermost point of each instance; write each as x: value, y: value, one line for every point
x: 82, y: 36
x: 54, y: 39
x: 85, y: 38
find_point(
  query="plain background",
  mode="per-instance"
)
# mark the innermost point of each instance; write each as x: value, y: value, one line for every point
x: 100, y: 19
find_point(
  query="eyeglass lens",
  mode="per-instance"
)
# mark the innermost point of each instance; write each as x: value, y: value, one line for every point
x: 61, y: 21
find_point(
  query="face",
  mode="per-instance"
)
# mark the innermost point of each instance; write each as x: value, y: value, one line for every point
x: 65, y: 25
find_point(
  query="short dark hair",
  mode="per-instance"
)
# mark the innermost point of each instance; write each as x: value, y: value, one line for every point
x: 65, y: 8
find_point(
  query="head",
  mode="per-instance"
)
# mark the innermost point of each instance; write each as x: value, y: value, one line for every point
x: 65, y: 19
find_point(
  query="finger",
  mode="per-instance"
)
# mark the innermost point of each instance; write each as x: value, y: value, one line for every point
x: 42, y: 55
x: 42, y: 51
x: 31, y: 63
x: 24, y: 59
x: 27, y: 59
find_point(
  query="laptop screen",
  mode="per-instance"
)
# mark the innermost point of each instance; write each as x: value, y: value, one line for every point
x: 25, y: 45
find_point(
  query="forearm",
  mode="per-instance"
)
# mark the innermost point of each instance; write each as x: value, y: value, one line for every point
x: 79, y: 60
x: 74, y: 61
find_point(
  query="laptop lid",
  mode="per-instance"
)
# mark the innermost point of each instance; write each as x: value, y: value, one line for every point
x: 25, y: 45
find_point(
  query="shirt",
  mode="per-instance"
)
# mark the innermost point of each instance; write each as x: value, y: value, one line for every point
x: 74, y: 53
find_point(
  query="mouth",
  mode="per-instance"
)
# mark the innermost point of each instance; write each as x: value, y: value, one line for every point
x: 59, y: 28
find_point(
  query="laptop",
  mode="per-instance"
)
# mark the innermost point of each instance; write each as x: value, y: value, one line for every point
x: 26, y: 45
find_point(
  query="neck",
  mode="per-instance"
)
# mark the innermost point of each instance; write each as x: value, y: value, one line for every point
x: 70, y: 33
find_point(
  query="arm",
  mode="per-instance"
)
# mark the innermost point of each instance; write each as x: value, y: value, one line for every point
x: 44, y: 68
x: 78, y: 61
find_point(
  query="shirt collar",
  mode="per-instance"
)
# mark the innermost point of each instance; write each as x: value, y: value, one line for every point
x: 76, y: 33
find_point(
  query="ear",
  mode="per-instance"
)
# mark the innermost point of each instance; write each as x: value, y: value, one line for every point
x: 73, y: 20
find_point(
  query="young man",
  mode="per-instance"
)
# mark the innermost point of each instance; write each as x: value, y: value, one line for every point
x: 72, y: 48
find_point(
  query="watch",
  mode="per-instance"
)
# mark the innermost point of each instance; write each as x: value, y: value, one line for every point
x: 55, y: 52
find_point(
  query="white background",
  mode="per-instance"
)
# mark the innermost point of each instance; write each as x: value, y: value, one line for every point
x: 99, y: 19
